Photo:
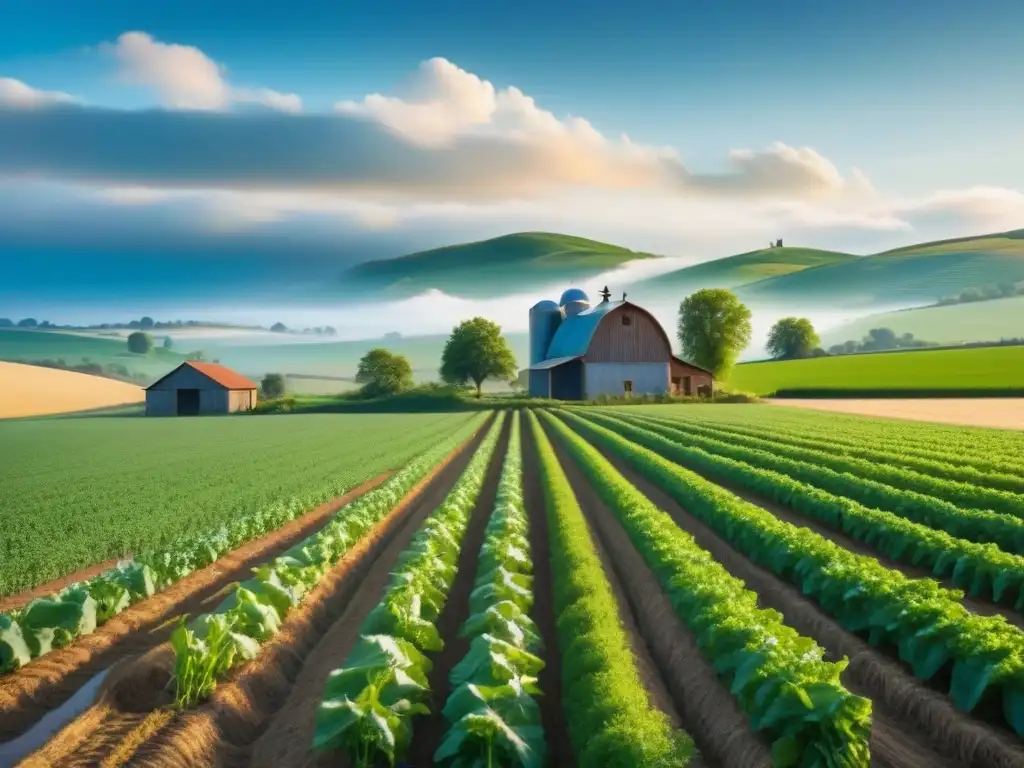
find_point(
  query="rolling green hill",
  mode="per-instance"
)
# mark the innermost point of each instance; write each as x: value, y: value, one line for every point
x: 34, y: 346
x: 992, y: 369
x: 741, y: 269
x: 956, y: 324
x: 487, y: 268
x: 917, y: 273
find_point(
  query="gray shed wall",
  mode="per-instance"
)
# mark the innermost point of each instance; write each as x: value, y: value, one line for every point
x: 161, y: 402
x: 608, y: 378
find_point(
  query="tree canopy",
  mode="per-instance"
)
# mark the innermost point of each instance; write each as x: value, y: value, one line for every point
x: 140, y: 343
x: 278, y: 328
x: 168, y: 342
x: 477, y: 351
x: 714, y: 327
x: 273, y: 385
x: 381, y: 372
x: 792, y: 337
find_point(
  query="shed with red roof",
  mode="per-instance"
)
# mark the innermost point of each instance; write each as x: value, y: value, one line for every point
x: 195, y: 388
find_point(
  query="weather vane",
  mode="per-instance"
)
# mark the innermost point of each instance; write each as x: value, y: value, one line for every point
x: 606, y: 294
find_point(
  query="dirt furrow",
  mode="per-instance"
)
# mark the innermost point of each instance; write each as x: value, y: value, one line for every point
x: 913, y: 725
x: 552, y: 713
x: 705, y: 708
x: 46, y: 683
x: 219, y: 731
x: 429, y: 730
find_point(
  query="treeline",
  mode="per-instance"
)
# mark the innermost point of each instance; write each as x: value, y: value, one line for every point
x: 880, y: 340
x: 985, y: 293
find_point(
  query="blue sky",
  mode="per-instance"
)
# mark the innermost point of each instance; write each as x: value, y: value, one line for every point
x: 858, y: 125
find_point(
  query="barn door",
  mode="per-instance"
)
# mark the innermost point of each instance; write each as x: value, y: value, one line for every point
x: 188, y: 402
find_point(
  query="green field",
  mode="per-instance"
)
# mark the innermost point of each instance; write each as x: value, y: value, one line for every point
x: 740, y: 269
x: 915, y: 274
x: 80, y: 490
x: 33, y: 346
x: 494, y: 267
x: 954, y: 324
x: 991, y: 368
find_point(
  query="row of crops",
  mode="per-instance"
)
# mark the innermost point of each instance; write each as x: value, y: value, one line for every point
x: 80, y: 491
x: 741, y: 485
x: 57, y: 620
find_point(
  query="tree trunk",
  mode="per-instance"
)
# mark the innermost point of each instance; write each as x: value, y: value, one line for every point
x: 479, y: 385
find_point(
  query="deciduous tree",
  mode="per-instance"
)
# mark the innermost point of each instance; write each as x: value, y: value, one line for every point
x: 714, y: 327
x: 477, y: 351
x: 382, y: 372
x: 792, y: 337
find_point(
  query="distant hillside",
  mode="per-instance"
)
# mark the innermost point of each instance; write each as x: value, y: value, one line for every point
x: 490, y: 268
x: 959, y: 323
x: 34, y: 346
x: 742, y: 269
x: 914, y: 274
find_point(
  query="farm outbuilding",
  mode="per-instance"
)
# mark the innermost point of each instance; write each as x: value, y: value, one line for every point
x: 194, y: 389
x: 616, y: 348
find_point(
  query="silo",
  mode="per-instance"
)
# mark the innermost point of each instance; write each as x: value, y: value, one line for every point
x: 574, y: 294
x: 575, y: 307
x: 545, y: 317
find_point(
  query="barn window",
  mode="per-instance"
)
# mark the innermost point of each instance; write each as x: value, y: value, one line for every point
x: 627, y: 320
x: 627, y: 388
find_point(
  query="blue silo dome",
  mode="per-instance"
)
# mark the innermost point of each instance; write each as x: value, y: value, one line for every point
x: 573, y: 294
x: 544, y: 304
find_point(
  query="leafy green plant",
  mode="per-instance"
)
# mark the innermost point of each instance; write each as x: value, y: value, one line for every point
x: 257, y: 607
x: 980, y: 569
x: 925, y: 622
x: 610, y: 718
x: 494, y: 720
x: 968, y: 495
x: 369, y: 703
x: 778, y: 677
x: 114, y: 590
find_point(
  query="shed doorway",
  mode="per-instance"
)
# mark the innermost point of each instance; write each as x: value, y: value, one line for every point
x: 188, y: 402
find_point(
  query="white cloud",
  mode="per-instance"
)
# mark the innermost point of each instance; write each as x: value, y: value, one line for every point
x: 14, y: 93
x: 184, y: 77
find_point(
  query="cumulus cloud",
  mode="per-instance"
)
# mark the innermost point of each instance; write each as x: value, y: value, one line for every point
x: 18, y: 95
x: 183, y: 77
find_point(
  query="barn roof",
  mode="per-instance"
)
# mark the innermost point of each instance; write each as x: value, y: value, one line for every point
x: 553, y: 362
x: 575, y: 332
x: 692, y: 365
x: 215, y: 372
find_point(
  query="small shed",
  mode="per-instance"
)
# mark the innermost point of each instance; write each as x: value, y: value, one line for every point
x: 194, y: 389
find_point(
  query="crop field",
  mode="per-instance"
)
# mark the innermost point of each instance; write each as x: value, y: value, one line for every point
x: 646, y: 586
x: 80, y: 491
x: 989, y: 368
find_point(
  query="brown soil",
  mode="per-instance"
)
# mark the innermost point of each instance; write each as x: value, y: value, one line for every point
x: 429, y: 730
x: 273, y: 699
x: 913, y: 726
x: 709, y: 713
x: 56, y: 585
x: 552, y: 714
x: 26, y: 695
